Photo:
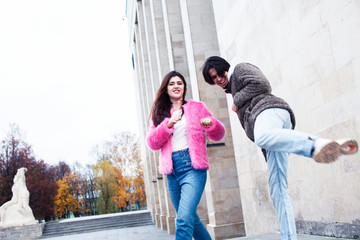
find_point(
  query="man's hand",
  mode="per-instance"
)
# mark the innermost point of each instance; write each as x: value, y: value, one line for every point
x: 234, y: 108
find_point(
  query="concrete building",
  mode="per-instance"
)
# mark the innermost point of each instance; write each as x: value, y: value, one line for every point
x: 310, y: 52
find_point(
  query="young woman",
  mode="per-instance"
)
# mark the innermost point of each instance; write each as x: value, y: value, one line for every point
x: 178, y: 129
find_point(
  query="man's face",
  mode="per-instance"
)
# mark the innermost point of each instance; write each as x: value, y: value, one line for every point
x: 221, y: 81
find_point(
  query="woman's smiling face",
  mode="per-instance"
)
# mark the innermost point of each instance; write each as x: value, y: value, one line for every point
x: 175, y: 89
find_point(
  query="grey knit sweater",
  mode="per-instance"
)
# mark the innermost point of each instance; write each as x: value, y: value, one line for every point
x: 252, y: 95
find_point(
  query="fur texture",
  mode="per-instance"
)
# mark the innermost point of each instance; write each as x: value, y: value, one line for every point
x: 160, y: 137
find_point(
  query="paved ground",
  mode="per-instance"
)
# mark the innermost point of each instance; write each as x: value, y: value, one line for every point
x: 136, y: 233
x: 154, y: 233
x: 276, y: 236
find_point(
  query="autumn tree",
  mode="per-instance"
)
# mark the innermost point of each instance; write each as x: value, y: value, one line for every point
x: 88, y: 190
x: 73, y: 180
x: 15, y: 153
x: 106, y: 186
x: 65, y: 202
x: 82, y: 187
x: 139, y: 195
x: 123, y: 153
x: 123, y: 196
x: 42, y: 187
x: 61, y: 170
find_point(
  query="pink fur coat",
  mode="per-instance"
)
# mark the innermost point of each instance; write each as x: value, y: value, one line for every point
x: 160, y: 137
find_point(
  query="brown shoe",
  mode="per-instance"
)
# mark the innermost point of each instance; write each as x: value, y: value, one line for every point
x: 326, y: 151
x: 348, y: 146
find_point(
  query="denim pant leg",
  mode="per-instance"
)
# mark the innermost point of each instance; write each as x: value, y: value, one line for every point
x: 186, y: 186
x: 200, y: 231
x: 278, y: 187
x: 272, y: 131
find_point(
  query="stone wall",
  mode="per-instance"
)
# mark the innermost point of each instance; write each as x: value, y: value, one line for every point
x: 310, y: 52
x: 30, y: 232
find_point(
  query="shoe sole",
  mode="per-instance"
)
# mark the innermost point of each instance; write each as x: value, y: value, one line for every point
x: 348, y: 146
x: 329, y: 153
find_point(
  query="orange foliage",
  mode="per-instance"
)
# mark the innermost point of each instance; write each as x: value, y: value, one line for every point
x: 65, y: 202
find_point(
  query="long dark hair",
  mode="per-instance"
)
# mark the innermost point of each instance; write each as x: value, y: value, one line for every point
x: 162, y: 104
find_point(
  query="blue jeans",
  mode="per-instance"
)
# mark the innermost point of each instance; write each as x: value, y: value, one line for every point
x: 272, y: 132
x: 186, y: 185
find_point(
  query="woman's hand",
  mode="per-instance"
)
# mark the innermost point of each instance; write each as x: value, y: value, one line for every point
x: 174, y: 119
x: 206, y: 122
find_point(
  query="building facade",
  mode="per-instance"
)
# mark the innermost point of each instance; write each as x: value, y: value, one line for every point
x: 309, y: 51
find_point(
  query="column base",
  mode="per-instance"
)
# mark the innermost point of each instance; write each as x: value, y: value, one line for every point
x: 171, y: 225
x: 157, y: 220
x: 225, y: 231
x: 204, y: 221
x: 163, y: 223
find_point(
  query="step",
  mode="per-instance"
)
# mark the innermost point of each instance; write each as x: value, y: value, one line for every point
x: 130, y: 224
x: 95, y: 229
x: 92, y: 222
x: 97, y: 223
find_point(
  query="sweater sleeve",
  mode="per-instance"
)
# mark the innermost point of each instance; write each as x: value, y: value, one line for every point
x: 249, y: 83
x: 159, y: 135
x: 217, y: 131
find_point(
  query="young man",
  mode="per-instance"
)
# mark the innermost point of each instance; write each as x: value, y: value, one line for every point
x: 269, y: 122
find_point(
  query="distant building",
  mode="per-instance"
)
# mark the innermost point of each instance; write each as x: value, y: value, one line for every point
x: 310, y: 52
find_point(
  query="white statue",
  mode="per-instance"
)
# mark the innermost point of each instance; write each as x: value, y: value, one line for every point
x: 17, y: 211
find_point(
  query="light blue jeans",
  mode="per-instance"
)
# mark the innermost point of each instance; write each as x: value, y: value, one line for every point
x: 272, y: 132
x: 186, y: 185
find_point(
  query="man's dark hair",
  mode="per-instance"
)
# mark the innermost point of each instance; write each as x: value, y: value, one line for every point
x: 219, y: 64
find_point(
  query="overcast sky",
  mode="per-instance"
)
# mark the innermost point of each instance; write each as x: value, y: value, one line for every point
x: 65, y: 75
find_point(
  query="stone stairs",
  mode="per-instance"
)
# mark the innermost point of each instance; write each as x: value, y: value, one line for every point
x: 97, y: 223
